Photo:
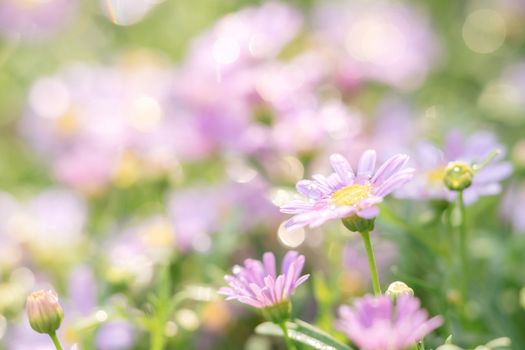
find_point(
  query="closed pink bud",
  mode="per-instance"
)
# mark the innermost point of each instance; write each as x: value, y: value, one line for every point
x: 44, y: 312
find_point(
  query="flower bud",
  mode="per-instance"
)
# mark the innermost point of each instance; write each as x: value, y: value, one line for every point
x: 278, y: 313
x: 356, y: 223
x: 458, y: 176
x: 44, y: 312
x: 398, y: 288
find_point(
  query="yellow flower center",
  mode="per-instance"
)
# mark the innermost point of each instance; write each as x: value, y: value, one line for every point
x: 66, y: 124
x: 351, y: 195
x: 128, y: 170
x: 436, y: 176
x: 159, y: 234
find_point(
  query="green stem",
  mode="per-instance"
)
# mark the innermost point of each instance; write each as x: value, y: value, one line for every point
x: 157, y: 338
x: 371, y: 262
x: 55, y: 340
x: 463, y: 243
x: 163, y: 306
x: 450, y: 234
x: 490, y: 158
x: 289, y: 343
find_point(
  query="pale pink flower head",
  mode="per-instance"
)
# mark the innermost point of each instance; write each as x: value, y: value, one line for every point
x: 431, y: 163
x: 379, y: 323
x: 109, y: 125
x: 258, y: 284
x: 345, y: 193
x: 385, y: 41
x: 512, y: 206
x: 34, y: 19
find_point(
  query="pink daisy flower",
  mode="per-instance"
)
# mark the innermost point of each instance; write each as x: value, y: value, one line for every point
x: 379, y: 323
x: 345, y: 193
x: 257, y: 283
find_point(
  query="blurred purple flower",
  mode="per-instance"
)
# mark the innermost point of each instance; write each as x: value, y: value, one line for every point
x: 115, y: 335
x: 22, y: 337
x: 133, y: 250
x: 243, y: 99
x: 377, y: 323
x: 82, y: 292
x: 512, y: 206
x: 251, y: 206
x: 344, y: 193
x: 245, y: 204
x: 257, y: 283
x: 53, y: 219
x: 34, y: 19
x: 58, y: 217
x: 384, y: 41
x: 191, y: 229
x: 10, y: 246
x: 431, y: 164
x: 101, y: 125
x: 226, y: 59
x: 394, y: 113
x: 246, y: 36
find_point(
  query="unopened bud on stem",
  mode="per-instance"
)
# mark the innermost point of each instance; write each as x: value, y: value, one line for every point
x: 44, y: 312
x: 458, y: 176
x: 398, y: 288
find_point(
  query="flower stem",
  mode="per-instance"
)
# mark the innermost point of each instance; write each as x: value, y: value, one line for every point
x: 371, y: 262
x: 157, y: 338
x: 289, y: 343
x: 463, y: 242
x: 55, y: 340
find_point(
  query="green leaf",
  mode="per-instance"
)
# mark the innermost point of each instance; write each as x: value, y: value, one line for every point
x: 305, y: 333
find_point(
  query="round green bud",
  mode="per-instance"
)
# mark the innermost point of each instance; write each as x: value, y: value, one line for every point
x: 356, y: 223
x: 458, y: 176
x: 44, y: 312
x: 398, y: 288
x: 278, y: 313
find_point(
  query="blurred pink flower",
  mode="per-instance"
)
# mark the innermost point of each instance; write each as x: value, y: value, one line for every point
x: 431, y: 163
x: 377, y: 323
x: 512, y: 206
x: 34, y: 19
x: 383, y: 41
x: 245, y: 204
x: 245, y: 100
x: 105, y: 125
x: 135, y: 248
x: 52, y: 219
x: 116, y: 335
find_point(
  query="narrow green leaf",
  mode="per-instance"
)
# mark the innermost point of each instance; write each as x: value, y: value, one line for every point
x: 304, y: 333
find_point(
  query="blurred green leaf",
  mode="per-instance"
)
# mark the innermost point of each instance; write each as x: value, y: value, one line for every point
x: 304, y: 333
